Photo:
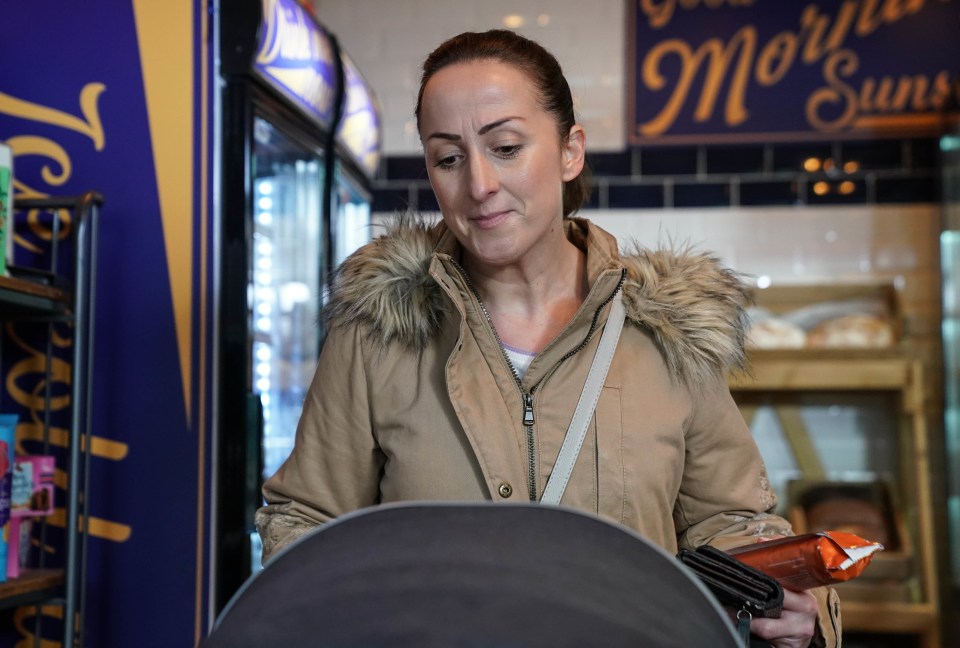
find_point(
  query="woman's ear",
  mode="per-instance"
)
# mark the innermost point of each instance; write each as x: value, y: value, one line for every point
x: 574, y: 149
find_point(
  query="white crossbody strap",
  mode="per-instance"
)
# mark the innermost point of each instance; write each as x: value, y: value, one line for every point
x: 577, y: 431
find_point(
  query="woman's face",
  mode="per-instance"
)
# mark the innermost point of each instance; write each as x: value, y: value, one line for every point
x: 496, y: 161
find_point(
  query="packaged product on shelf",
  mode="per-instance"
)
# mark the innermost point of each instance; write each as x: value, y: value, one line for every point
x: 6, y: 207
x: 31, y: 495
x: 8, y: 427
x: 31, y: 492
x: 18, y: 551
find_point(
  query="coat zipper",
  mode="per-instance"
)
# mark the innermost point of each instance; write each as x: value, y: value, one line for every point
x: 527, y: 397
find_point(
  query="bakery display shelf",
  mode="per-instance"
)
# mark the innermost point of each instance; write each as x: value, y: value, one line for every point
x: 33, y: 586
x: 26, y: 299
x: 823, y: 370
x: 783, y: 374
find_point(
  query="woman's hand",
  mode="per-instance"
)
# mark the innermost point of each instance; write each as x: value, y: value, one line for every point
x: 795, y: 627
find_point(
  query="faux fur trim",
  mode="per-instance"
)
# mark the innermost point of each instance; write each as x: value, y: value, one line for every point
x: 692, y: 305
x: 386, y: 285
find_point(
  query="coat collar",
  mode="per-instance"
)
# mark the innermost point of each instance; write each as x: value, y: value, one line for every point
x: 691, y: 305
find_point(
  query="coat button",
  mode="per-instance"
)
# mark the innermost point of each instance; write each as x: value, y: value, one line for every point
x: 506, y: 490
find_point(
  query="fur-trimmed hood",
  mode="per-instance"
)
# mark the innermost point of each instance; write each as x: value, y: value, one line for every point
x: 690, y: 303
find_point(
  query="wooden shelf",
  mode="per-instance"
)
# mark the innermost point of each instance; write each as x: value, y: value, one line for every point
x: 824, y: 370
x: 33, y: 586
x: 782, y: 374
x: 23, y: 299
x: 896, y: 618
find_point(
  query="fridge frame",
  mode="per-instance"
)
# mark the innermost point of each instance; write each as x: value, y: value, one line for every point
x: 238, y: 445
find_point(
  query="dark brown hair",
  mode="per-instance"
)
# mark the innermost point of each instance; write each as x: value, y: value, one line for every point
x: 538, y: 64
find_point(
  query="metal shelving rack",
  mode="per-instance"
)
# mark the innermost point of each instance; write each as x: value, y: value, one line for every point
x: 26, y: 300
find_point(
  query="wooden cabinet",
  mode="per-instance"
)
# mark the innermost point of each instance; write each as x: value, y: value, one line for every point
x: 40, y: 299
x: 779, y: 377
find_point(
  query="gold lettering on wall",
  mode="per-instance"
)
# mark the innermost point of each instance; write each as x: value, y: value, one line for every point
x: 24, y: 145
x: 776, y: 58
x: 27, y: 385
x: 23, y: 621
x: 720, y: 58
x: 90, y: 125
x: 60, y: 167
x: 26, y: 380
x: 659, y: 14
x: 837, y: 93
x: 729, y: 69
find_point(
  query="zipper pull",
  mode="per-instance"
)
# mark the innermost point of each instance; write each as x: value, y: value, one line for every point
x: 743, y: 625
x: 527, y: 409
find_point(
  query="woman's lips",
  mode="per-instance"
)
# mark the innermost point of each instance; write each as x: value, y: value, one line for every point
x: 489, y: 221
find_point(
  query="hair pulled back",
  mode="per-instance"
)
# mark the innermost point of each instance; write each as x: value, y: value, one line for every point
x: 541, y: 68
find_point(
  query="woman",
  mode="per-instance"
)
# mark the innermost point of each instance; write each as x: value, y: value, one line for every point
x: 456, y: 353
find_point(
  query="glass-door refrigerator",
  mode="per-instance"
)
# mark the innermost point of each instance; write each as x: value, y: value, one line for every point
x: 283, y: 92
x: 357, y: 149
x: 950, y: 330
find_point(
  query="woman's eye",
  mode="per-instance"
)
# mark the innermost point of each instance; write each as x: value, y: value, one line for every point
x: 446, y: 162
x: 508, y: 150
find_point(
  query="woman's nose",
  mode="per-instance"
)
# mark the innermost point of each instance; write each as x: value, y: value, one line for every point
x: 484, y: 180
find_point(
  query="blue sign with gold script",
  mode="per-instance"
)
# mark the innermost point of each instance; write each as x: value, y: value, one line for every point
x: 359, y: 127
x: 757, y: 70
x: 295, y: 56
x: 134, y: 122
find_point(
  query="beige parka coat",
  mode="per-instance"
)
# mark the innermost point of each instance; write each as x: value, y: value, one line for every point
x: 414, y: 399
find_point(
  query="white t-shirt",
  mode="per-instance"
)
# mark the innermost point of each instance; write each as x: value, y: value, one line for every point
x: 520, y: 359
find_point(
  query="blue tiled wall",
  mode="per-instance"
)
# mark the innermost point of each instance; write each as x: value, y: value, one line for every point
x: 816, y: 173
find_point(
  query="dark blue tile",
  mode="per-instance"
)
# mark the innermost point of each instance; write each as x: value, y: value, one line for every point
x: 645, y: 196
x: 668, y: 161
x: 406, y: 168
x: 782, y: 192
x: 426, y: 200
x: 735, y: 159
x: 908, y: 190
x: 701, y: 194
x: 611, y: 164
x: 593, y: 202
x: 390, y: 200
x: 871, y: 155
x: 923, y: 154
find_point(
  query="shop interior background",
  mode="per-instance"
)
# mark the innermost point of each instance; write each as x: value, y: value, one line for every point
x: 756, y: 205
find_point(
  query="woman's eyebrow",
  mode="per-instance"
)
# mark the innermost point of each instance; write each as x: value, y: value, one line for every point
x: 483, y: 130
x: 489, y: 127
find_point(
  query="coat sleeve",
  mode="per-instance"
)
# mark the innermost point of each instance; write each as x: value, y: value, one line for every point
x: 336, y: 462
x: 725, y: 497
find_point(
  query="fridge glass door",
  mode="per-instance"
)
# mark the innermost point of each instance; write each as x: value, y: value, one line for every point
x: 284, y: 288
x: 950, y: 262
x: 351, y: 223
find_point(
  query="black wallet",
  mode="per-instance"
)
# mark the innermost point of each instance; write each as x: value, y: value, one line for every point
x: 734, y: 583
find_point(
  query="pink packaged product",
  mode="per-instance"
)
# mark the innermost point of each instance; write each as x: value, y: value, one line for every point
x: 31, y: 495
x: 18, y: 552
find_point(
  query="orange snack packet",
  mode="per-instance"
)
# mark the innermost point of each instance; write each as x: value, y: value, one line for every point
x: 810, y: 560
